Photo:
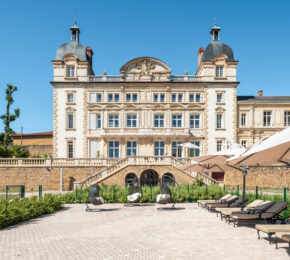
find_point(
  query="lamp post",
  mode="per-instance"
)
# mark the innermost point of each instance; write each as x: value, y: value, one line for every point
x: 244, y: 184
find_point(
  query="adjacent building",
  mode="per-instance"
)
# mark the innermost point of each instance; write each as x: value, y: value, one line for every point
x: 147, y: 111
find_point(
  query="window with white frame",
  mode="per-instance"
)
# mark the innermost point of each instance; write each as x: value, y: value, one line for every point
x: 243, y: 119
x: 177, y: 97
x: 131, y: 121
x: 219, y: 120
x: 113, y: 121
x: 92, y: 97
x: 95, y: 121
x: 70, y: 97
x: 176, y: 120
x: 159, y: 97
x: 194, y: 121
x: 70, y: 121
x: 99, y: 97
x: 195, y: 97
x: 113, y: 97
x: 113, y: 150
x: 267, y: 118
x: 176, y: 148
x: 131, y: 148
x: 70, y: 149
x: 286, y: 118
x: 173, y: 97
x: 219, y: 145
x: 159, y: 148
x: 70, y: 71
x: 219, y: 97
x: 159, y: 120
x: 131, y: 97
x: 180, y: 97
x: 244, y: 143
x: 219, y: 71
x: 195, y: 152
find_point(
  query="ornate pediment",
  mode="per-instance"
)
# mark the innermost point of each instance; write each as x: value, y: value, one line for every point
x: 131, y: 107
x: 159, y: 107
x: 195, y: 107
x: 220, y: 109
x: 113, y: 107
x: 145, y: 69
x: 70, y: 109
x: 177, y: 106
x: 95, y: 107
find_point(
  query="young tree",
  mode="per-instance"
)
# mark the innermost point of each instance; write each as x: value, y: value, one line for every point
x: 9, y: 117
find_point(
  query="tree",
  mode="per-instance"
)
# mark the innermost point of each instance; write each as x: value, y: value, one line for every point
x: 9, y: 117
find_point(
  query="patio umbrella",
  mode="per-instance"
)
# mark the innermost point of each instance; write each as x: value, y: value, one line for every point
x: 189, y: 145
x: 273, y: 150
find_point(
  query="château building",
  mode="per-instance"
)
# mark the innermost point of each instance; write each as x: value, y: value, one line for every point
x: 147, y: 111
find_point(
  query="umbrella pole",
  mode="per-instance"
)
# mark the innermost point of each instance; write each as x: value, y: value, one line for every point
x: 244, y: 184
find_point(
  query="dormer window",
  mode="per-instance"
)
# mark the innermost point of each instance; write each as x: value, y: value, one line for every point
x: 219, y: 71
x: 70, y: 71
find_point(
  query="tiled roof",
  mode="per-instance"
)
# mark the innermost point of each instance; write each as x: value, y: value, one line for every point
x: 33, y: 134
x: 263, y: 99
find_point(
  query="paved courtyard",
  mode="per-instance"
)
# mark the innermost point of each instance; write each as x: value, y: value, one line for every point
x: 134, y: 233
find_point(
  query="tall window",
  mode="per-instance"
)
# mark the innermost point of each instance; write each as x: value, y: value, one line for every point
x: 131, y: 120
x: 99, y: 97
x: 158, y: 120
x: 173, y: 97
x: 195, y: 97
x: 176, y: 121
x: 219, y: 121
x: 131, y: 97
x: 113, y: 97
x: 131, y: 148
x: 244, y: 143
x: 243, y: 119
x: 194, y: 121
x: 176, y: 149
x: 219, y: 97
x: 180, y: 97
x: 267, y: 118
x: 70, y: 121
x: 219, y: 145
x: 92, y: 97
x: 195, y: 152
x: 159, y: 97
x: 286, y: 118
x: 159, y: 148
x: 219, y: 71
x: 113, y: 120
x: 70, y: 97
x: 162, y: 97
x: 70, y: 71
x: 95, y: 121
x: 114, y: 149
x: 70, y: 149
x: 191, y: 97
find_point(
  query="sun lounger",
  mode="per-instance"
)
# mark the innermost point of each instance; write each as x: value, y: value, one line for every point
x: 226, y: 204
x: 269, y: 215
x: 284, y: 236
x: 271, y: 229
x: 226, y: 212
x: 203, y: 202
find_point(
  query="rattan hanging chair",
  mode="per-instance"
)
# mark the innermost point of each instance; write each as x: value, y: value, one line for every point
x: 134, y: 193
x: 165, y: 196
x: 94, y: 197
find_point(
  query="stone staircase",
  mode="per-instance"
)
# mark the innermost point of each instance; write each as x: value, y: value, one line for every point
x: 142, y: 160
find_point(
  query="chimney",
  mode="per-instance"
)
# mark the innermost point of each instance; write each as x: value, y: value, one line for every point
x: 260, y: 93
x: 199, y: 54
x: 90, y: 55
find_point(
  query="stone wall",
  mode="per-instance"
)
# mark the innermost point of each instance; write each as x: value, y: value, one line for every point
x: 268, y: 177
x: 49, y: 178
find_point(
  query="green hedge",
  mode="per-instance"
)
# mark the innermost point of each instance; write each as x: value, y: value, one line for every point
x: 18, y: 211
x: 116, y: 194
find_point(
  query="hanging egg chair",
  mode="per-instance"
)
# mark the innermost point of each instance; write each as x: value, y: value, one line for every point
x: 94, y: 197
x: 165, y: 196
x: 134, y: 191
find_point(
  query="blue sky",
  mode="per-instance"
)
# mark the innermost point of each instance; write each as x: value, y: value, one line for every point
x: 119, y: 30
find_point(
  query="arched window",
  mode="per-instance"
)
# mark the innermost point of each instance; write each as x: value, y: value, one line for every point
x: 149, y: 177
x: 168, y: 178
x: 131, y: 179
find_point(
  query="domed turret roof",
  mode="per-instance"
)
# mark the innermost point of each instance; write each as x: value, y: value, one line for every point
x: 73, y: 47
x: 216, y: 47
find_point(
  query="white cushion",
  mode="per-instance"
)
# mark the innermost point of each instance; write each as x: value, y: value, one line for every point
x: 134, y: 197
x: 163, y: 198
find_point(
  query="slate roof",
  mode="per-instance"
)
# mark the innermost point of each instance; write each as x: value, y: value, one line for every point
x: 216, y: 47
x: 263, y: 99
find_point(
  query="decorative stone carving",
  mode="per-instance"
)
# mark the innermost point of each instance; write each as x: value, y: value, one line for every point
x: 145, y: 69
